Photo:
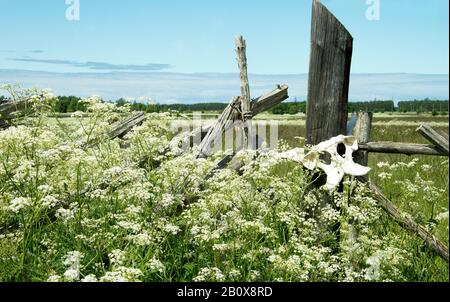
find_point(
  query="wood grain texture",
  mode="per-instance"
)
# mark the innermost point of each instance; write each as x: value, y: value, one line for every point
x: 120, y: 129
x: 362, y: 130
x: 123, y: 127
x: 215, y: 132
x: 241, y: 48
x: 329, y: 76
x: 436, y: 138
x: 401, y: 148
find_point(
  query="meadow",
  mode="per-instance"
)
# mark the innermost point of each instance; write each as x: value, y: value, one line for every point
x: 71, y: 213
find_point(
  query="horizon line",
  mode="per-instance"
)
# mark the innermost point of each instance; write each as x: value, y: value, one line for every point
x: 211, y: 72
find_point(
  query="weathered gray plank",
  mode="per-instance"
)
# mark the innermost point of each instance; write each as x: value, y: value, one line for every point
x: 7, y: 109
x: 123, y: 127
x: 120, y: 128
x: 362, y: 130
x: 440, y: 141
x: 401, y: 148
x: 214, y: 134
x: 329, y: 76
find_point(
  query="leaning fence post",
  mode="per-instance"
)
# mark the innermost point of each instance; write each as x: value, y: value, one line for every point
x: 329, y: 76
x: 438, y: 139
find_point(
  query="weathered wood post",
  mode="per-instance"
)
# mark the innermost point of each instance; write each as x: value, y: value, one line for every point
x: 362, y: 130
x: 241, y: 48
x: 329, y: 76
x: 328, y: 87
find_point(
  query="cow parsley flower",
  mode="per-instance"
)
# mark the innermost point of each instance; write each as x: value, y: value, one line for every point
x: 18, y: 204
x: 156, y: 265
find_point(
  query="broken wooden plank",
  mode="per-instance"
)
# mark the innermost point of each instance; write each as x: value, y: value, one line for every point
x: 120, y: 129
x: 258, y: 106
x: 8, y: 109
x: 267, y: 101
x: 329, y: 76
x: 123, y: 127
x: 214, y: 134
x: 406, y: 221
x: 434, y: 137
x: 401, y: 148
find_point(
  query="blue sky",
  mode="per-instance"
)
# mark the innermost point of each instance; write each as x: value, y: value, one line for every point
x: 197, y: 36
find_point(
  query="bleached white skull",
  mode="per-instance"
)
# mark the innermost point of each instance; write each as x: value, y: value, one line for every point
x: 338, y: 167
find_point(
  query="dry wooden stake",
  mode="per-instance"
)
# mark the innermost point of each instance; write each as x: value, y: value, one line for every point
x: 361, y: 132
x: 241, y: 48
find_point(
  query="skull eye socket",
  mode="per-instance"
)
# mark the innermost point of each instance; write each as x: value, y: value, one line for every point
x: 341, y: 149
x: 325, y: 157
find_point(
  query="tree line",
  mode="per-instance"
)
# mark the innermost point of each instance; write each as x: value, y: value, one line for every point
x: 423, y: 106
x: 69, y: 104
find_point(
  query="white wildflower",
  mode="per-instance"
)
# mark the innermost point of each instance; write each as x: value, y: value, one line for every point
x: 72, y: 275
x: 49, y: 201
x: 89, y: 278
x: 19, y: 204
x: 116, y: 257
x: 65, y: 214
x: 172, y: 229
x: 156, y: 265
x: 54, y: 278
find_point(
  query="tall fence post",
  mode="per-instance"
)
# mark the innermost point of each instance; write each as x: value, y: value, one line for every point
x: 241, y: 48
x: 329, y: 76
x: 328, y: 87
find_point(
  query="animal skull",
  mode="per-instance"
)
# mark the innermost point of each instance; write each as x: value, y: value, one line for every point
x: 338, y: 167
